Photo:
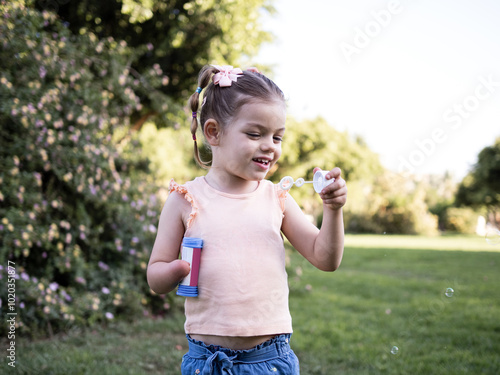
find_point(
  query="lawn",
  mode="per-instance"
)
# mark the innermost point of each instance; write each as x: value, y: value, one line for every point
x: 391, y: 292
x: 397, y: 305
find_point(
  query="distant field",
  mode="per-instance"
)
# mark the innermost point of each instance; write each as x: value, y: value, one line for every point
x: 384, y: 311
x: 450, y: 242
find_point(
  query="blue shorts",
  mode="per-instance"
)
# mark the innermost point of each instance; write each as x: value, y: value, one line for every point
x: 271, y: 357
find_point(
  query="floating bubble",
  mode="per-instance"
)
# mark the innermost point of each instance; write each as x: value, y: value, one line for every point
x: 449, y: 292
x: 492, y: 236
x: 394, y: 350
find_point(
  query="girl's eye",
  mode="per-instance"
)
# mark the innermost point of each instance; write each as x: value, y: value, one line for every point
x: 278, y: 139
x: 253, y: 135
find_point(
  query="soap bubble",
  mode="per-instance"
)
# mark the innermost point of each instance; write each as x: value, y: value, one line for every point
x: 449, y: 292
x: 492, y: 236
x: 394, y: 350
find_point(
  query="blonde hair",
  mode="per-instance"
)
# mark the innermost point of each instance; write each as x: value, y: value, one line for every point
x: 223, y: 103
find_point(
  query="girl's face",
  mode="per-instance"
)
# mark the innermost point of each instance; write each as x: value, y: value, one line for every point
x: 251, y: 144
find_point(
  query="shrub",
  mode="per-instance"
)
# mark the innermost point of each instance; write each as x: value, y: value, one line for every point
x: 75, y: 224
x: 392, y: 205
x: 460, y: 220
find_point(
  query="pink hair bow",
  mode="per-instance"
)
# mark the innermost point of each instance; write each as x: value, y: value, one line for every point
x: 226, y: 75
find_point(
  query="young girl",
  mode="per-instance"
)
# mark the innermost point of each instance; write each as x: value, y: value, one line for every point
x: 240, y: 322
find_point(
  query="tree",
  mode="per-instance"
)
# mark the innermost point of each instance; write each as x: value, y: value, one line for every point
x: 481, y: 187
x: 180, y: 37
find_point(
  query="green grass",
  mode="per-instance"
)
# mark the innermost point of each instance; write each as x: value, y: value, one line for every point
x: 144, y: 347
x: 389, y: 291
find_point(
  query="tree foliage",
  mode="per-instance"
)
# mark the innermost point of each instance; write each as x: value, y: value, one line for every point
x: 481, y: 187
x: 314, y: 143
x: 180, y: 37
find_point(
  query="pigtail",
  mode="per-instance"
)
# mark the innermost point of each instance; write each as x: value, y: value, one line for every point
x: 194, y: 103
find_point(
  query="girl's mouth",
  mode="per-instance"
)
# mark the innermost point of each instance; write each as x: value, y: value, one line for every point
x: 263, y: 163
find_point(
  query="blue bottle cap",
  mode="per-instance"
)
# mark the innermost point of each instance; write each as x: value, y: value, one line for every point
x: 195, y: 243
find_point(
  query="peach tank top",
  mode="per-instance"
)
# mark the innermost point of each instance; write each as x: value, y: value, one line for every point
x: 242, y: 284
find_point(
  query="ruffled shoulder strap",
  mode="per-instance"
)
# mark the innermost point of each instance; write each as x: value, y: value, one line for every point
x: 282, y: 195
x: 181, y: 189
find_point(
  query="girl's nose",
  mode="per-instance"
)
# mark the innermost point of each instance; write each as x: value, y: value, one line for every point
x: 268, y: 145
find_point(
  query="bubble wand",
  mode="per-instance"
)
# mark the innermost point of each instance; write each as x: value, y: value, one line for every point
x: 319, y: 181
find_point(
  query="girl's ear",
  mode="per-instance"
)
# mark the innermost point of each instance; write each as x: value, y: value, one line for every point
x: 212, y: 131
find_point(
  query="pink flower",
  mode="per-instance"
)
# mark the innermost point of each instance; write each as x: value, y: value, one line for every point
x: 66, y: 296
x: 103, y: 266
x: 42, y: 71
x: 227, y: 74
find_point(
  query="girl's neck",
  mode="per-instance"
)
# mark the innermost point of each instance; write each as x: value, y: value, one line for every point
x: 230, y: 184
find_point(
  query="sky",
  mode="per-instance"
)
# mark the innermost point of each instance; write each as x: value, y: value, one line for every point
x: 419, y: 80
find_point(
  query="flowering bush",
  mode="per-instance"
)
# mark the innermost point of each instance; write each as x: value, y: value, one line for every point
x: 74, y: 219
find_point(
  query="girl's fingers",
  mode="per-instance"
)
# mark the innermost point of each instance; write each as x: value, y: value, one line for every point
x: 334, y: 173
x: 337, y: 185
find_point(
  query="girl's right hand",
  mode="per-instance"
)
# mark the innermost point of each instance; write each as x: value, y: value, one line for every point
x: 181, y: 268
x: 163, y: 277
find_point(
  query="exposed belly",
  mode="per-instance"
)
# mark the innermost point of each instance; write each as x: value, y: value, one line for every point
x: 233, y: 342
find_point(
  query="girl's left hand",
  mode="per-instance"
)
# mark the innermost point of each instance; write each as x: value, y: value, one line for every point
x: 334, y: 195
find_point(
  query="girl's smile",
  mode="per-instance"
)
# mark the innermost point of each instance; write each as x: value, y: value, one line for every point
x: 262, y: 162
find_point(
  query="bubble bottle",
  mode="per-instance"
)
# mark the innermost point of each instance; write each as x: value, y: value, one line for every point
x: 191, y: 253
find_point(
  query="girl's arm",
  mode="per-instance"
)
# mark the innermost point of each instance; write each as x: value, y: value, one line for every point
x: 324, y: 247
x: 165, y: 269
